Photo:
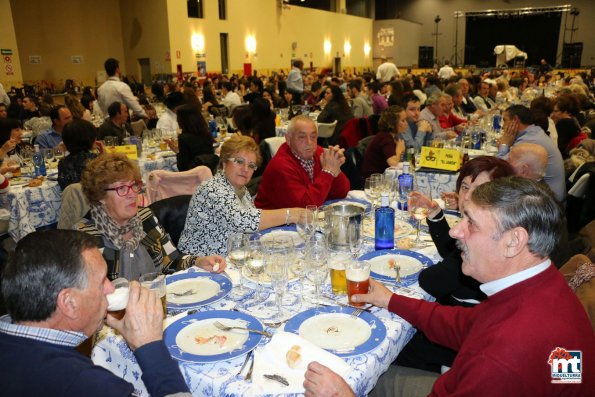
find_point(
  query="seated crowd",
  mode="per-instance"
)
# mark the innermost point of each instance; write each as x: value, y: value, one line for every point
x: 492, y: 325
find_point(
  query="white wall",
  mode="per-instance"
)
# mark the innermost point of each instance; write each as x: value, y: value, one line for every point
x: 407, y: 39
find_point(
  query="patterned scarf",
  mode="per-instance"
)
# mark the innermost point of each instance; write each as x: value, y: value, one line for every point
x: 584, y: 273
x: 307, y: 164
x: 114, y: 232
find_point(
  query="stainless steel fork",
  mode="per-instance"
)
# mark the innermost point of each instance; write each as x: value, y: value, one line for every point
x: 249, y: 374
x: 356, y: 313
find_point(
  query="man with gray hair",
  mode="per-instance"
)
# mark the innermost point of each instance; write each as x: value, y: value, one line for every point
x: 55, y: 287
x: 531, y: 336
x: 432, y: 112
x: 528, y: 160
x: 302, y: 173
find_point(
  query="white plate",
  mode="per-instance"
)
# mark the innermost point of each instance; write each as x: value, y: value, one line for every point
x: 335, y: 331
x: 205, y: 289
x: 268, y: 236
x: 402, y: 228
x: 381, y: 265
x: 202, y: 338
x: 20, y: 181
x: 451, y: 219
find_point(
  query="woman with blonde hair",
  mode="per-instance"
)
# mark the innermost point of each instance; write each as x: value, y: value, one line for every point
x: 222, y: 205
x: 132, y: 240
x: 76, y: 108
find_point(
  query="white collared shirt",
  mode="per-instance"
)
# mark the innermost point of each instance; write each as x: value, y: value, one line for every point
x: 496, y: 286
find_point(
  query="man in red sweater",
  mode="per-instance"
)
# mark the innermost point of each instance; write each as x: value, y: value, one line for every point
x: 302, y: 173
x: 531, y: 335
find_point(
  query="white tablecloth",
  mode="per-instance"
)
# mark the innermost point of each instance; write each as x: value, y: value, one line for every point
x: 222, y: 378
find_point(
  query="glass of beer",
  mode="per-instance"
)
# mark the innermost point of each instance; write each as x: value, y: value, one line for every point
x: 118, y: 300
x: 337, y: 263
x: 156, y: 283
x: 358, y: 279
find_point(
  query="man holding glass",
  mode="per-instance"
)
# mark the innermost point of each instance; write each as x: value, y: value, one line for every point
x: 55, y: 287
x: 302, y: 173
x: 506, y: 344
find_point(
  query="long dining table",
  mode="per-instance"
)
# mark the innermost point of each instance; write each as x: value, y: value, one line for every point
x: 31, y: 208
x: 224, y: 378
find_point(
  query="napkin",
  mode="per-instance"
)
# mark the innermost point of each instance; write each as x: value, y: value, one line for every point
x: 357, y: 194
x: 270, y: 360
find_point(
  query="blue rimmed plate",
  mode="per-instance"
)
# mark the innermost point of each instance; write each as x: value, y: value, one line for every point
x: 282, y: 231
x: 207, y: 288
x: 382, y: 265
x: 333, y: 329
x: 362, y: 203
x: 195, y: 338
x: 452, y: 217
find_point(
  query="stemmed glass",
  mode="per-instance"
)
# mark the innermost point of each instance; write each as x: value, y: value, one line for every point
x: 371, y: 188
x: 402, y: 197
x: 306, y: 224
x: 255, y: 260
x: 354, y: 234
x: 237, y: 254
x: 277, y: 270
x: 316, y: 264
x: 419, y: 210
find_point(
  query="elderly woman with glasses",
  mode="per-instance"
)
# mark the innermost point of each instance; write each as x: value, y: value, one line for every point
x: 131, y: 239
x: 222, y: 205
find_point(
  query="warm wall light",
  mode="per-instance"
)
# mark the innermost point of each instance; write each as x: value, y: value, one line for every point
x: 198, y: 42
x: 251, y: 44
x: 367, y: 49
x: 347, y: 48
x: 327, y: 46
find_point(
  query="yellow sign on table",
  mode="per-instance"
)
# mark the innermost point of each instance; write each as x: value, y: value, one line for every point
x: 129, y: 150
x: 440, y: 158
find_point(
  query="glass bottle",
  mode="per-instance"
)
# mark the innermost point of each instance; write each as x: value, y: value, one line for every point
x: 384, y: 237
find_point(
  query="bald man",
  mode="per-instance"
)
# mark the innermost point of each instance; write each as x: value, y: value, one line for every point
x: 529, y: 160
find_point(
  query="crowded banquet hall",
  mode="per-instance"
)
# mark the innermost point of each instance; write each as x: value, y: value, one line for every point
x: 297, y: 198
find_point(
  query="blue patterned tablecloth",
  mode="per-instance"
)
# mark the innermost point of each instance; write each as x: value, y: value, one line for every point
x: 221, y: 379
x: 34, y: 207
x: 438, y: 182
x: 31, y: 207
x: 168, y: 163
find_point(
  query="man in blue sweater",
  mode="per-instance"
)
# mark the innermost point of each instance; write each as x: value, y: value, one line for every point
x: 55, y: 287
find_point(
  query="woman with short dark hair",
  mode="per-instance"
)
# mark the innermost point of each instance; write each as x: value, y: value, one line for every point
x: 79, y: 138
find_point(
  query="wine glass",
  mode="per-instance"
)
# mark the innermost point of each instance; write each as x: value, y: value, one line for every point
x: 404, y: 191
x: 255, y: 260
x: 354, y: 234
x: 236, y: 251
x: 306, y: 224
x: 58, y: 153
x: 277, y: 270
x: 419, y: 210
x: 370, y: 190
x: 316, y: 264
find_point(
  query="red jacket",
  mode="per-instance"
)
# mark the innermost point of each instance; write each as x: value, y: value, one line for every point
x: 504, y: 343
x: 285, y: 183
x: 450, y: 121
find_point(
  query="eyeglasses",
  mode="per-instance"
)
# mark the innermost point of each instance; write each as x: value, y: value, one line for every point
x: 123, y: 190
x: 240, y: 161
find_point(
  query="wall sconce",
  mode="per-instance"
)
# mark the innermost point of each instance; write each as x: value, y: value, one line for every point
x: 347, y: 48
x: 327, y: 46
x: 367, y: 49
x: 198, y: 42
x: 251, y: 44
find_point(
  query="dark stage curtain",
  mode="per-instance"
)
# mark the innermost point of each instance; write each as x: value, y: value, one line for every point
x: 535, y: 34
